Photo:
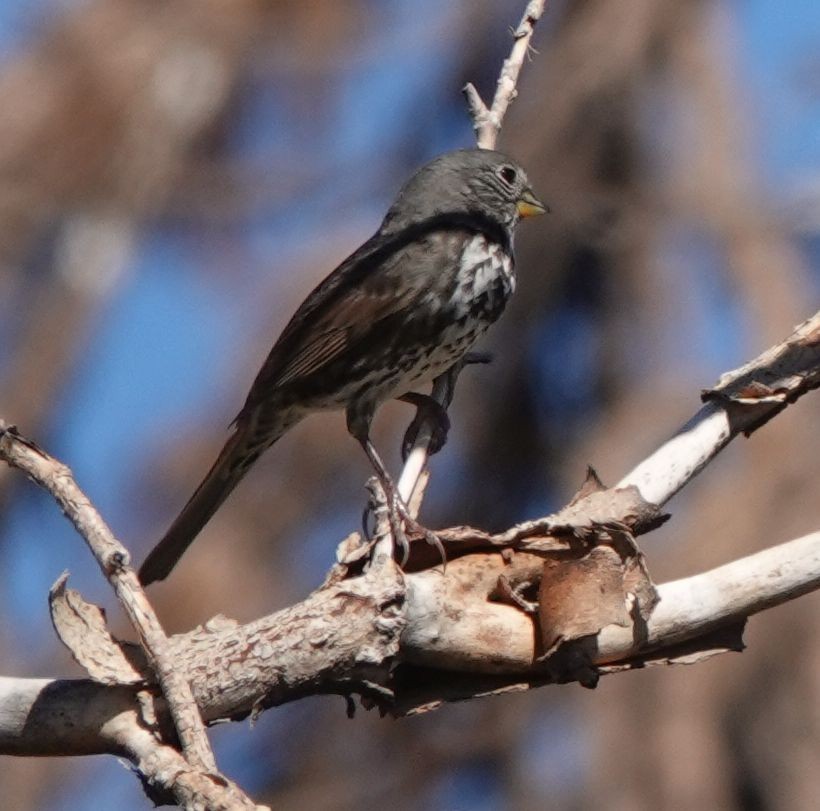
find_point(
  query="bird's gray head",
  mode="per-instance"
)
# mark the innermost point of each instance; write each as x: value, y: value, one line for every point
x: 465, y: 182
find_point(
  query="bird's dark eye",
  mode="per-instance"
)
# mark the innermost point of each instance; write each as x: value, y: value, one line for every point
x: 507, y: 174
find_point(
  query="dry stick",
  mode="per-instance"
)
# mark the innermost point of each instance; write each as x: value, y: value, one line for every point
x: 191, y: 789
x: 411, y: 483
x: 114, y: 560
x: 487, y: 121
x: 495, y: 638
x: 487, y: 124
x: 743, y: 399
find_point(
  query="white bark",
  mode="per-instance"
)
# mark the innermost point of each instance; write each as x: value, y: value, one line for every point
x: 286, y: 657
x: 743, y: 400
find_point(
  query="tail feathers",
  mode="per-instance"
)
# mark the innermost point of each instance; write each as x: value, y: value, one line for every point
x: 239, y: 453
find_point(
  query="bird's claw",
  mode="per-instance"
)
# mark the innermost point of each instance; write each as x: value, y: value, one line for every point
x: 387, y: 500
x: 431, y: 412
x: 400, y: 521
x: 416, y: 527
x: 394, y: 516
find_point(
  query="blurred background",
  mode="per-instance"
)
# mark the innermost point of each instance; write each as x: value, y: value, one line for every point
x: 174, y: 179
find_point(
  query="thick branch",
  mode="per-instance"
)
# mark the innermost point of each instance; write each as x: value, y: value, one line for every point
x: 487, y: 637
x: 346, y: 636
x: 326, y: 645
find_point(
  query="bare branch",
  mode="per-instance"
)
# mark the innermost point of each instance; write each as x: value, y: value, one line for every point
x: 411, y: 483
x: 473, y: 648
x: 480, y: 114
x: 487, y: 121
x: 345, y: 636
x: 49, y: 717
x: 741, y: 402
x: 114, y: 560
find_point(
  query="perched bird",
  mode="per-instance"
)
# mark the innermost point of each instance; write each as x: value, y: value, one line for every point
x: 398, y: 312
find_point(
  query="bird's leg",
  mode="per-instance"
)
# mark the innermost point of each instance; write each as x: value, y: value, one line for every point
x: 396, y: 510
x: 429, y: 410
x: 358, y: 423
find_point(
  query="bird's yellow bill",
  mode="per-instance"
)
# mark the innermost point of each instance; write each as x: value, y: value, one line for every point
x: 529, y: 205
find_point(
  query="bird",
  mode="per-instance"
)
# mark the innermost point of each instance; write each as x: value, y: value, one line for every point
x: 397, y: 313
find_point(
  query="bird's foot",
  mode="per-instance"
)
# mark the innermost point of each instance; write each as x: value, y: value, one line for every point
x: 399, y: 510
x: 428, y: 411
x: 401, y: 522
x: 433, y: 413
x: 381, y: 517
x: 415, y: 527
x: 400, y: 539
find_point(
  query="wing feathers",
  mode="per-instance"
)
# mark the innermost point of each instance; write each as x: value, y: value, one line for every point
x: 313, y: 356
x: 382, y: 278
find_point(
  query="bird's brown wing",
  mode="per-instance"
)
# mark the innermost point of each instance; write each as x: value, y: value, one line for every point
x: 348, y: 308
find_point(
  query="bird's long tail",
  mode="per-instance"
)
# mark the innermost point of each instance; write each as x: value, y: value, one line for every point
x: 234, y: 461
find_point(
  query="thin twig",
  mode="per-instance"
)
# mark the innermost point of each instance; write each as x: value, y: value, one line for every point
x: 411, y: 483
x: 114, y: 560
x: 487, y: 121
x: 487, y: 125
